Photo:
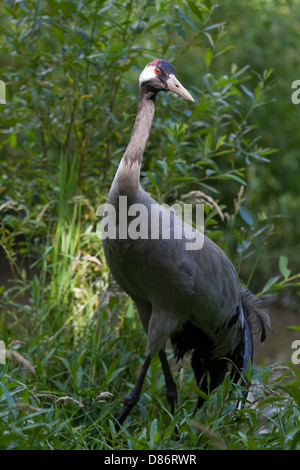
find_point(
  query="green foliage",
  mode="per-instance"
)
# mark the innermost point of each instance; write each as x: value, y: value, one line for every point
x: 69, y: 411
x: 268, y: 33
x: 74, y: 342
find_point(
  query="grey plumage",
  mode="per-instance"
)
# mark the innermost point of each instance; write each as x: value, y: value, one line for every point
x: 191, y: 296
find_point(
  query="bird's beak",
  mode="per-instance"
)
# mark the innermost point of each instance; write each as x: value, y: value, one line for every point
x: 175, y: 86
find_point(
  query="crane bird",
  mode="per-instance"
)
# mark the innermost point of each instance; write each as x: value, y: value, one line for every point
x: 191, y: 296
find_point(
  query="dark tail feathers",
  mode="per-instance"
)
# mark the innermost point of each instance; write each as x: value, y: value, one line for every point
x: 258, y: 319
x: 257, y: 322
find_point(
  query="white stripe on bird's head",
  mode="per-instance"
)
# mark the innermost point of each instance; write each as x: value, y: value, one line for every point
x: 147, y: 74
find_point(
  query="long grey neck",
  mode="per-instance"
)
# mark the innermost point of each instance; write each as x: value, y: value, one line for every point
x: 127, y: 178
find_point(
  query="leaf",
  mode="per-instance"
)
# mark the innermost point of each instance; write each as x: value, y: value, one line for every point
x: 220, y: 142
x: 228, y: 48
x: 295, y: 440
x: 208, y: 143
x: 272, y: 400
x: 58, y: 33
x: 247, y: 92
x: 233, y: 177
x: 246, y: 215
x: 294, y: 327
x: 267, y: 73
x: 270, y: 283
x: 10, y: 400
x: 153, y: 433
x: 13, y: 140
x: 164, y: 165
x: 241, y: 71
x: 200, y: 392
x: 154, y: 25
x: 158, y: 5
x: 283, y: 262
x: 195, y: 9
x: 226, y: 385
x: 130, y: 312
x: 267, y: 151
x: 207, y: 57
x: 113, y: 371
x: 294, y: 390
x: 258, y: 90
x: 85, y: 96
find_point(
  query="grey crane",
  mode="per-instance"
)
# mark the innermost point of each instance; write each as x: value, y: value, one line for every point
x: 191, y: 296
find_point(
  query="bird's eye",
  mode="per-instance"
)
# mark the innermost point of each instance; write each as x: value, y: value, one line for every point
x: 157, y: 71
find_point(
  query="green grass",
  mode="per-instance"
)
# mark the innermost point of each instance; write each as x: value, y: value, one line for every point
x: 73, y: 357
x: 65, y: 409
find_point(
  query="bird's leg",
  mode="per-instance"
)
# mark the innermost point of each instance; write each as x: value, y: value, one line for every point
x: 171, y: 389
x: 133, y: 397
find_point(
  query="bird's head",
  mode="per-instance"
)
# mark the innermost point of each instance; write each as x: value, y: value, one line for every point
x: 160, y: 75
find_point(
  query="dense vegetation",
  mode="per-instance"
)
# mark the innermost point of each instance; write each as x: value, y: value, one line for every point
x: 74, y: 341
